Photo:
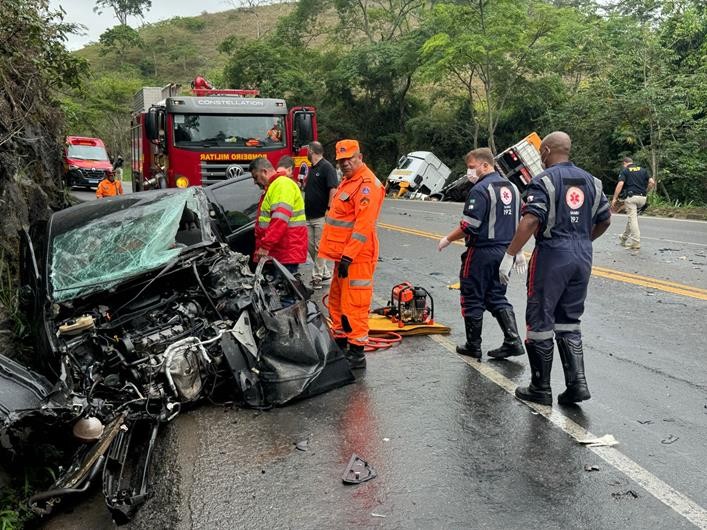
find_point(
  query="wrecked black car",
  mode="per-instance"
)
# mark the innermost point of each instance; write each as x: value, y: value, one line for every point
x: 143, y: 306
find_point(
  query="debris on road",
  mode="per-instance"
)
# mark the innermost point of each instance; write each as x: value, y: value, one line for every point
x: 605, y: 441
x: 378, y: 515
x: 670, y: 439
x: 302, y: 445
x: 629, y: 494
x: 358, y: 471
x: 591, y: 467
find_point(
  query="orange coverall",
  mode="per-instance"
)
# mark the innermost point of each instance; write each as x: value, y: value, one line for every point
x: 350, y: 230
x: 106, y: 188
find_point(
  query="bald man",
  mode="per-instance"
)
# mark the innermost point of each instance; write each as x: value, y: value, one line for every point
x: 566, y: 209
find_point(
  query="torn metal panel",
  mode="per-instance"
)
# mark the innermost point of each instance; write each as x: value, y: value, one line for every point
x: 20, y: 389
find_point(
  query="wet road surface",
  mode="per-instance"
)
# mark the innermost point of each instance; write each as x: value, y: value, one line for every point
x: 451, y: 446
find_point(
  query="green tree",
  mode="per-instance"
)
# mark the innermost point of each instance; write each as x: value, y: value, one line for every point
x: 103, y: 108
x: 118, y: 39
x: 488, y: 46
x: 124, y: 8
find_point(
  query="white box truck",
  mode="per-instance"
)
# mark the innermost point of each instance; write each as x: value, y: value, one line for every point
x: 420, y: 173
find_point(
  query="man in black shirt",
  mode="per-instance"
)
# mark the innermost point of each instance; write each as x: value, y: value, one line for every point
x: 319, y: 189
x: 633, y: 185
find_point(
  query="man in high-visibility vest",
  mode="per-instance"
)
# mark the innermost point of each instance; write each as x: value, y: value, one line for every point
x: 349, y: 239
x: 281, y: 226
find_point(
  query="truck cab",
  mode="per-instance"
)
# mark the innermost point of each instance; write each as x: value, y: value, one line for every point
x: 419, y: 172
x: 212, y: 135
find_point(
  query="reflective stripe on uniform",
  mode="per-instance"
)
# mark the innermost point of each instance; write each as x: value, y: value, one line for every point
x: 282, y: 205
x: 359, y: 237
x: 263, y: 224
x: 550, y: 187
x: 492, y: 213
x: 471, y: 221
x: 344, y: 196
x: 540, y: 205
x: 516, y: 196
x: 301, y: 222
x: 568, y: 327
x: 540, y: 335
x: 337, y: 222
x: 597, y: 196
x: 359, y: 283
x: 280, y: 215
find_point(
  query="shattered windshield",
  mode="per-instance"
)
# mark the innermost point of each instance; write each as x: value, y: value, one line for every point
x: 98, y: 246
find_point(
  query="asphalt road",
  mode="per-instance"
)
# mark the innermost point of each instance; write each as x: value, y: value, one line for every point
x: 452, y: 447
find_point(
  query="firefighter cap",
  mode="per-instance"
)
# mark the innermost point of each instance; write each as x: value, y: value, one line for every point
x: 346, y: 149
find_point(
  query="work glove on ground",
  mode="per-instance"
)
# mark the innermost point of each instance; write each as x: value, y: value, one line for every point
x: 504, y: 270
x: 343, y: 269
x: 520, y: 265
x: 443, y: 243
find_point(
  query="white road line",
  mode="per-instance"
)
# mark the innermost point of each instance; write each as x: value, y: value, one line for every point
x: 674, y: 241
x: 678, y: 502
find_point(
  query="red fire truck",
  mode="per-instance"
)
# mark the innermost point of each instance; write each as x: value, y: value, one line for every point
x: 212, y: 135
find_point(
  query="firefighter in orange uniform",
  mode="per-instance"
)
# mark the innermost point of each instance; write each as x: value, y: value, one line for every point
x: 350, y: 240
x: 109, y: 187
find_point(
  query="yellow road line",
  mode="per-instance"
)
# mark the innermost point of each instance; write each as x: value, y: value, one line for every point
x: 602, y: 272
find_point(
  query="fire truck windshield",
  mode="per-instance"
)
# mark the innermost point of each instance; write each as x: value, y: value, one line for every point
x: 215, y: 130
x: 86, y: 152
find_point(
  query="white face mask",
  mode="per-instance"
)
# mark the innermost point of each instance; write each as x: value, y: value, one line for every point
x: 472, y: 176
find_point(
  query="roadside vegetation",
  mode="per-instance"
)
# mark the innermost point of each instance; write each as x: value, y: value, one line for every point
x: 627, y: 77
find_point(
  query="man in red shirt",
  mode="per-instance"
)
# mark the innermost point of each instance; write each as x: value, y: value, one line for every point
x: 280, y: 230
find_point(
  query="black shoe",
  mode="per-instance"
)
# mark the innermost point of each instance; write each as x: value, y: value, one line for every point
x: 472, y: 347
x: 572, y: 357
x: 528, y: 393
x: 356, y: 356
x: 540, y: 358
x: 512, y: 345
x: 342, y: 342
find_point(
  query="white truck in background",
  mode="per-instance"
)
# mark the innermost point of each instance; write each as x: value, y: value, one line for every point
x: 419, y: 173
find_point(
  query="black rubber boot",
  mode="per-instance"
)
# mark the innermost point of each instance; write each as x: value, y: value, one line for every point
x: 512, y: 345
x: 356, y: 357
x: 540, y: 359
x: 472, y: 348
x: 573, y: 365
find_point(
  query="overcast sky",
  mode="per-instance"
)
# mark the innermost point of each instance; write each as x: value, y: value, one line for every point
x: 81, y: 12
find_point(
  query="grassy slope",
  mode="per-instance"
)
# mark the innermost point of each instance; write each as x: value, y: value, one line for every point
x: 176, y: 50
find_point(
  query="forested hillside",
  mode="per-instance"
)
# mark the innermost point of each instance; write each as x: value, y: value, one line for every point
x: 628, y: 79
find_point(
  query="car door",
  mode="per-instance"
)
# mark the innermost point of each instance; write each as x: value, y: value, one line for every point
x: 234, y: 206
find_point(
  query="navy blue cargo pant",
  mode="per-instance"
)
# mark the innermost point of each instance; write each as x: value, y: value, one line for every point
x: 557, y: 287
x: 479, y: 284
